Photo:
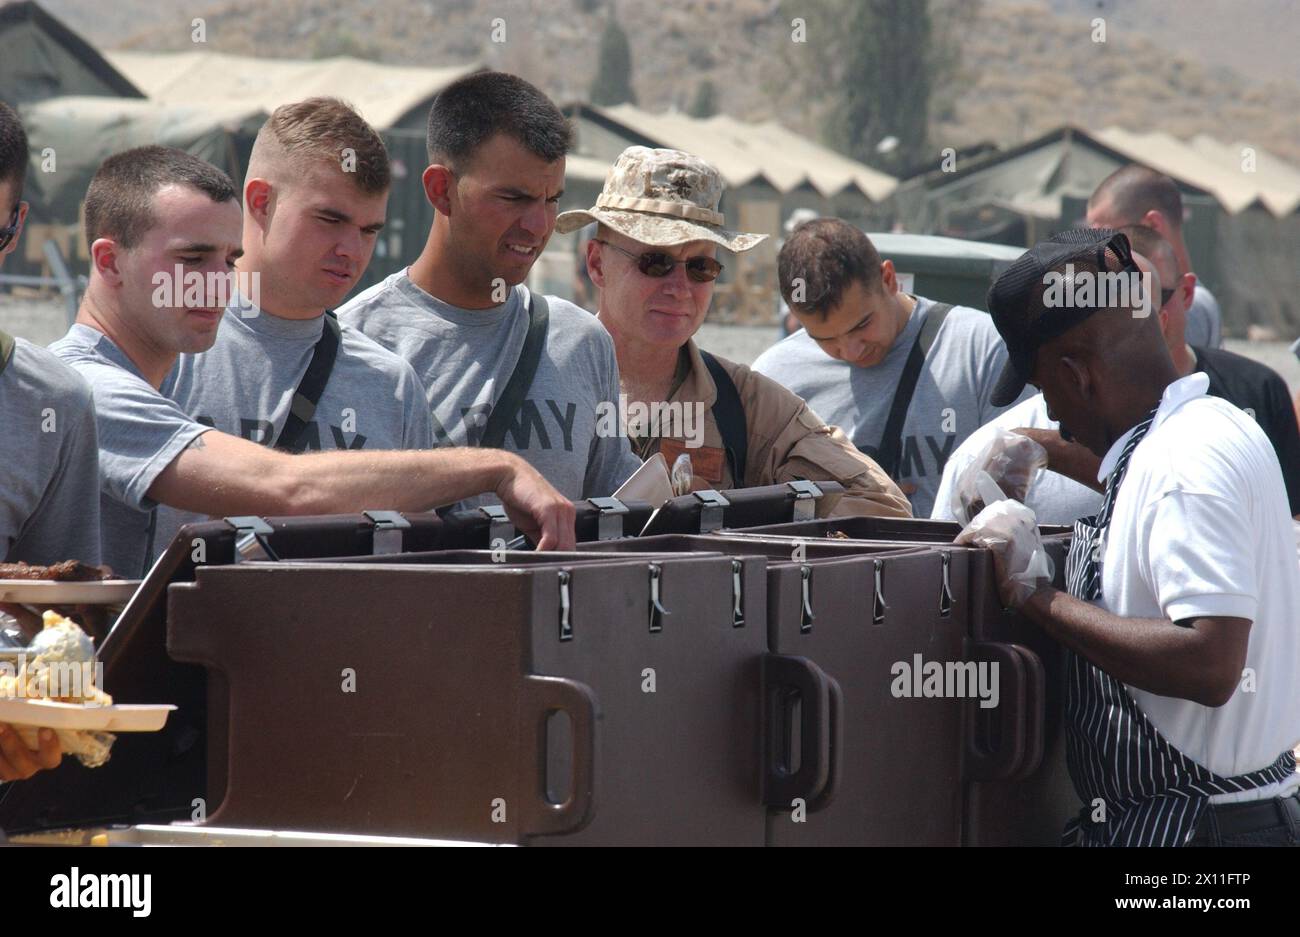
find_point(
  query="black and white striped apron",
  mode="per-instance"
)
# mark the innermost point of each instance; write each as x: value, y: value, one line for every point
x: 1147, y: 792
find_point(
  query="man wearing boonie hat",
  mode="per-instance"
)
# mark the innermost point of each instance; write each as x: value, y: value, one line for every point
x: 1182, y: 706
x: 653, y: 261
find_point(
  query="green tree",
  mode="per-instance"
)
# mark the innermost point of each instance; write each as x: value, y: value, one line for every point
x: 875, y: 69
x: 886, y: 84
x: 706, y: 100
x: 613, y: 81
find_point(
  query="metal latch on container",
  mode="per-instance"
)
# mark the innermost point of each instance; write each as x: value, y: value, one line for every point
x: 386, y: 536
x: 499, y: 526
x: 566, y: 626
x: 657, y: 610
x: 737, y: 591
x: 945, y: 590
x: 805, y: 499
x: 249, y: 533
x: 609, y: 524
x: 878, y: 612
x: 712, y: 513
x: 806, y: 615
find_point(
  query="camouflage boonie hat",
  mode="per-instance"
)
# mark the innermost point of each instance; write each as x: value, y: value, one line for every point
x: 661, y: 198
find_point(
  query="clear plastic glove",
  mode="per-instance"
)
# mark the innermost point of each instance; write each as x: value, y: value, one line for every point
x: 1010, y: 530
x: 1011, y: 460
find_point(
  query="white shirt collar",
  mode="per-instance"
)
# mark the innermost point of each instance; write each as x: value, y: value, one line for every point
x: 1176, y: 394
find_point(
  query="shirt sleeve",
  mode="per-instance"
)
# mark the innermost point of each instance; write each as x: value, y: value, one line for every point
x: 1199, y: 556
x: 140, y: 433
x: 65, y: 525
x: 610, y: 461
x: 989, y: 366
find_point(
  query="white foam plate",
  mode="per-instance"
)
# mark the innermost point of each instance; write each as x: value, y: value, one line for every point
x: 648, y: 483
x: 50, y: 714
x: 45, y: 592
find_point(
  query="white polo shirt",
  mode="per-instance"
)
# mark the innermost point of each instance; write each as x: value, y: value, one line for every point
x: 1201, y: 526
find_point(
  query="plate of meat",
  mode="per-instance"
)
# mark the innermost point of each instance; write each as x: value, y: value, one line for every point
x: 66, y: 583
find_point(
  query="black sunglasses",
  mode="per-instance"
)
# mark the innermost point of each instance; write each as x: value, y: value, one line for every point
x: 658, y: 264
x: 8, y: 231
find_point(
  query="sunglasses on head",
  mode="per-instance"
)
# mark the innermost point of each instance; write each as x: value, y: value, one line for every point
x: 8, y: 231
x: 659, y: 264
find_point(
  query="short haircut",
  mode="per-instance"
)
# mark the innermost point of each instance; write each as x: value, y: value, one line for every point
x: 1134, y: 190
x: 13, y: 153
x: 119, y: 202
x: 1151, y: 244
x: 470, y: 111
x: 326, y: 131
x: 828, y: 255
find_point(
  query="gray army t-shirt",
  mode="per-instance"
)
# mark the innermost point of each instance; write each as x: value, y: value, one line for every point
x: 140, y: 433
x: 1204, y: 320
x: 951, y: 400
x: 49, y: 486
x: 464, y: 357
x: 244, y: 385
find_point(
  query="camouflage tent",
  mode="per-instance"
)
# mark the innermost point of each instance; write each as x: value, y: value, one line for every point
x: 42, y: 58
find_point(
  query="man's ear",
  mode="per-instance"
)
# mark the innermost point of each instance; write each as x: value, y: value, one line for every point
x: 1156, y: 222
x: 259, y: 201
x: 104, y: 260
x: 1078, y: 381
x: 888, y: 277
x: 438, y: 181
x: 1187, y: 287
x: 595, y: 263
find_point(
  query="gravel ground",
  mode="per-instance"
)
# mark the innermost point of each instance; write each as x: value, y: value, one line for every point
x: 43, y: 321
x: 37, y: 320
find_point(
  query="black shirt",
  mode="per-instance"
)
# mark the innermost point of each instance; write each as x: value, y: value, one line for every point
x: 1249, y: 385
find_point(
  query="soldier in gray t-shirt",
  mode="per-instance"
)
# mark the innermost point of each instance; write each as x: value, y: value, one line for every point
x: 464, y: 357
x: 49, y: 489
x: 140, y: 433
x: 459, y: 313
x: 950, y: 402
x: 859, y: 330
x: 244, y: 385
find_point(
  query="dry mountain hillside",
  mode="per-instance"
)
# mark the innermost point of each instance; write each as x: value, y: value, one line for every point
x: 1026, y: 67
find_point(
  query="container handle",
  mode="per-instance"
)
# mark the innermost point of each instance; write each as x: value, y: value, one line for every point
x: 784, y: 677
x: 999, y: 758
x: 547, y: 695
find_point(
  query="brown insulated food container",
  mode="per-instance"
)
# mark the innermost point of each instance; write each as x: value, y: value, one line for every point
x: 1018, y: 790
x: 158, y: 777
x: 458, y: 664
x: 861, y: 613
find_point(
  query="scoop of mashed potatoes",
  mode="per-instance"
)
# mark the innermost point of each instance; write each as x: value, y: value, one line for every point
x: 60, y: 666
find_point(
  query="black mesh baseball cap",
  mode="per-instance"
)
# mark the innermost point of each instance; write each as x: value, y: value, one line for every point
x: 1015, y: 300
